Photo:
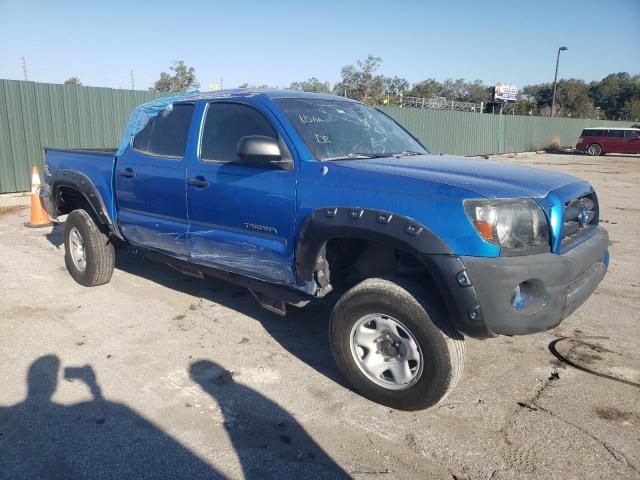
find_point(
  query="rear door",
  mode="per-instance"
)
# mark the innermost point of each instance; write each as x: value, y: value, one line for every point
x: 242, y: 216
x: 631, y: 141
x: 614, y: 141
x: 150, y: 183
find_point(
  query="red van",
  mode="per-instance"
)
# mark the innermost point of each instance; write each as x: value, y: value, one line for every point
x: 600, y: 140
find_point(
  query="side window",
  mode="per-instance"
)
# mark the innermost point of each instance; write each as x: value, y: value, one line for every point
x: 615, y: 133
x: 225, y: 125
x: 166, y: 134
x: 632, y: 133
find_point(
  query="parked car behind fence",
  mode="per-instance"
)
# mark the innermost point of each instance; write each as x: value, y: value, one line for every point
x: 598, y: 141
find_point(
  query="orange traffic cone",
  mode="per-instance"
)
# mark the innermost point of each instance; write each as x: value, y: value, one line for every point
x: 39, y: 216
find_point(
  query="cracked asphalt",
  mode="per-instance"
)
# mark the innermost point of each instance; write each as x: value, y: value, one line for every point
x: 159, y: 375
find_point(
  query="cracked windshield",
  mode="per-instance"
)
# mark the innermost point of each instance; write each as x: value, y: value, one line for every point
x: 338, y: 130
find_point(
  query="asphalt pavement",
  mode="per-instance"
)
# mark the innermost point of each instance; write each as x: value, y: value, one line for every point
x: 160, y: 375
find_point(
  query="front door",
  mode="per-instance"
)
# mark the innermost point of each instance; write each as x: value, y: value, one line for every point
x: 150, y: 183
x: 241, y: 216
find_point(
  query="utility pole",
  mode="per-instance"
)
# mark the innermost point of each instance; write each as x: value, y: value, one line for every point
x: 221, y: 86
x: 555, y: 80
x: 133, y: 85
x: 24, y: 68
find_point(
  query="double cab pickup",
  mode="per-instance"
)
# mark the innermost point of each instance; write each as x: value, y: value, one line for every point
x: 301, y: 196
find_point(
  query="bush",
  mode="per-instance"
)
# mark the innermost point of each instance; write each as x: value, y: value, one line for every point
x: 553, y: 146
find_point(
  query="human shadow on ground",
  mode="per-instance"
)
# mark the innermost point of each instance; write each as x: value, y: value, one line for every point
x: 95, y: 439
x: 101, y: 439
x: 267, y: 439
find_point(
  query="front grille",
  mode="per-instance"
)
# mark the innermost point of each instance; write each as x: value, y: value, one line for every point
x: 580, y: 216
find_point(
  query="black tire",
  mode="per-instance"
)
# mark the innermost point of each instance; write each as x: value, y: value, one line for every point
x: 442, y: 348
x: 594, y: 149
x: 99, y: 251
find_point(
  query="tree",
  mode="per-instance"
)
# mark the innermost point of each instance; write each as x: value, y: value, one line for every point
x: 183, y: 80
x: 312, y: 85
x: 395, y: 88
x: 477, y: 92
x: 454, y: 89
x: 572, y: 99
x: 425, y: 89
x: 73, y: 82
x: 613, y: 92
x: 632, y: 110
x: 540, y: 94
x: 458, y: 90
x: 361, y: 82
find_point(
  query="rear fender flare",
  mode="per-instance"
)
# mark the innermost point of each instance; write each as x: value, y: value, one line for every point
x: 81, y: 183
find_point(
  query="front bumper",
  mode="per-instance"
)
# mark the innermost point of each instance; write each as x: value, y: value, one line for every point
x: 552, y: 287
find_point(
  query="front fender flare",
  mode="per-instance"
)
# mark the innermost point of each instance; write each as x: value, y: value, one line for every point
x: 351, y: 222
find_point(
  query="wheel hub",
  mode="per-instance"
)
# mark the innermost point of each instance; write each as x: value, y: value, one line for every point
x: 388, y: 347
x: 386, y: 351
x: 76, y: 249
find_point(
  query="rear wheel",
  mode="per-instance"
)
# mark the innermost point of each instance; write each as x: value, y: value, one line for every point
x: 594, y: 150
x: 391, y: 341
x: 89, y: 253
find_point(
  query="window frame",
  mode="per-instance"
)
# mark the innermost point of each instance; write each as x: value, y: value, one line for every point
x: 167, y: 157
x: 610, y: 132
x: 284, y: 149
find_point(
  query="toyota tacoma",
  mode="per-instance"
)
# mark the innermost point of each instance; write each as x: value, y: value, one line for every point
x: 301, y: 196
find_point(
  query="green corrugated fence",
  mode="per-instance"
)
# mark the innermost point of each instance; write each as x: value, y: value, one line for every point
x: 35, y: 115
x: 467, y: 133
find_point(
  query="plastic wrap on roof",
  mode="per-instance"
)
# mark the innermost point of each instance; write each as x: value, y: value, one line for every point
x: 143, y: 113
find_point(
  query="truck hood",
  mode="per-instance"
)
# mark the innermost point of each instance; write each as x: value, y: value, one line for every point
x: 486, y: 178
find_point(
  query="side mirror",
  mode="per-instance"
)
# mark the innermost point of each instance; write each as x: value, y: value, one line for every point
x: 262, y: 151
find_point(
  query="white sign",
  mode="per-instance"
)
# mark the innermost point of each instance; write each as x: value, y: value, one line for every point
x: 505, y: 92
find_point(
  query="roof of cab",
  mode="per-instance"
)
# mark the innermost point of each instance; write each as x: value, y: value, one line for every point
x: 270, y: 93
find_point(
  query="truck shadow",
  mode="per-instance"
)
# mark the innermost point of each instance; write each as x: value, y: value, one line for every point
x: 40, y: 438
x: 56, y: 235
x: 303, y: 332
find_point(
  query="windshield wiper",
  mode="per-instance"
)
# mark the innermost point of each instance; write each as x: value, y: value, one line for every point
x: 406, y: 153
x: 358, y: 156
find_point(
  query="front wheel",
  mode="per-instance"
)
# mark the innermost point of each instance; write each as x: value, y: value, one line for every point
x: 89, y: 252
x: 391, y: 340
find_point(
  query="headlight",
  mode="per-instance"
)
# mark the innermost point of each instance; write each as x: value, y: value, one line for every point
x: 511, y: 224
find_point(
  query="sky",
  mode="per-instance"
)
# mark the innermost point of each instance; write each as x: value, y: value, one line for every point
x: 276, y: 43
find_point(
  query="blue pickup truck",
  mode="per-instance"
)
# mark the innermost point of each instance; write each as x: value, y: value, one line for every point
x: 300, y: 196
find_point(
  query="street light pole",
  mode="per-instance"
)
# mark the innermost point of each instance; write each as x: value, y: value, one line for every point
x: 555, y: 80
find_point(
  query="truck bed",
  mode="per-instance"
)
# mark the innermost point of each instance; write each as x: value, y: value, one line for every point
x: 110, y: 151
x: 63, y: 165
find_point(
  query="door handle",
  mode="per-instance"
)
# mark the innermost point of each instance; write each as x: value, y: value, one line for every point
x: 127, y: 172
x: 198, y: 182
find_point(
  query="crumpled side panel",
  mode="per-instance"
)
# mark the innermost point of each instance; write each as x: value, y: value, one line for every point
x: 143, y: 113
